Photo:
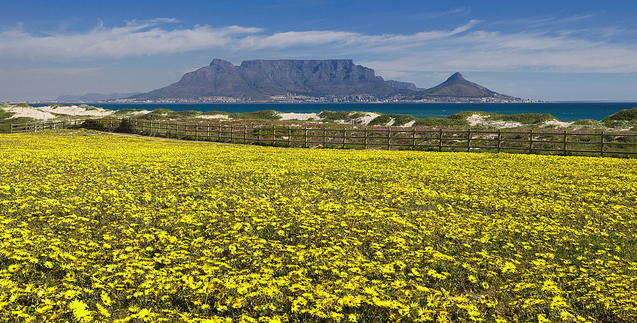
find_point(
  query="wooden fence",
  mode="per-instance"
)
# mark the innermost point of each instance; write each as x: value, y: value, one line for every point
x: 395, y: 138
x: 43, y: 125
x: 385, y: 138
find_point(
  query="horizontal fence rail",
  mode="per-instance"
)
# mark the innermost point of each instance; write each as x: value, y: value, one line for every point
x: 43, y: 125
x: 382, y: 138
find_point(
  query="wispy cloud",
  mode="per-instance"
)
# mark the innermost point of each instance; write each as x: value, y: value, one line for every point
x: 136, y: 38
x: 468, y: 47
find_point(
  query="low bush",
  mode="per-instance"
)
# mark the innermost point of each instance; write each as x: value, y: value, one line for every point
x: 623, y: 115
x: 262, y: 115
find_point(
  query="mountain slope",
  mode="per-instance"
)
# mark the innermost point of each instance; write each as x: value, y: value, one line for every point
x: 457, y: 86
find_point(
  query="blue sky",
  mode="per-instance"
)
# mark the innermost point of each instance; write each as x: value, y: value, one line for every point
x: 548, y: 50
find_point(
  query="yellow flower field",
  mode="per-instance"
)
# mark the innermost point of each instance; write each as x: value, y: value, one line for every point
x: 98, y: 227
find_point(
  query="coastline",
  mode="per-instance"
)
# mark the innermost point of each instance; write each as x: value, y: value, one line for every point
x: 565, y: 111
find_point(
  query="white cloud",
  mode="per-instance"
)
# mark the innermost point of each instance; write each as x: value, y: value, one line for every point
x: 464, y: 48
x: 136, y: 38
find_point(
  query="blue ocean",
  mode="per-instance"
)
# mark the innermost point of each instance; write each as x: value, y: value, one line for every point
x: 564, y: 111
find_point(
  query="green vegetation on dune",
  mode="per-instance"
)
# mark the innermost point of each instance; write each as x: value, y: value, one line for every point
x: 623, y: 115
x: 399, y: 119
x: 441, y: 122
x: 263, y: 115
x: 214, y: 113
x: 523, y: 118
x: 127, y: 111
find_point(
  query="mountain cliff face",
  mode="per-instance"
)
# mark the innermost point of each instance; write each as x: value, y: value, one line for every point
x: 404, y: 85
x: 260, y: 79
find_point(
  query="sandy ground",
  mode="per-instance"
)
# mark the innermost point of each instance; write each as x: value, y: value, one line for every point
x: 369, y: 116
x: 299, y: 116
x: 216, y: 116
x: 557, y: 123
x: 479, y: 120
x: 48, y: 112
x: 30, y: 113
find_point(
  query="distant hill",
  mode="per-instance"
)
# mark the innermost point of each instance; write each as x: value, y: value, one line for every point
x: 90, y: 97
x: 261, y: 79
x: 456, y: 86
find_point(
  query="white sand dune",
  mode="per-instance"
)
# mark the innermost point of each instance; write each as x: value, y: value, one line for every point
x: 50, y: 112
x: 299, y: 116
x: 29, y: 113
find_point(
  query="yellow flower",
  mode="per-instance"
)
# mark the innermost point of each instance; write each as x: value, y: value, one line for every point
x: 105, y: 298
x: 80, y: 311
x: 509, y: 267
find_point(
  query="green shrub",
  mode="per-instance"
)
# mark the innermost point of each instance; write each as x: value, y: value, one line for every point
x: 184, y: 114
x: 152, y: 116
x: 127, y: 111
x: 524, y: 118
x: 585, y: 122
x: 23, y: 105
x: 5, y: 114
x: 161, y: 111
x: 335, y: 115
x: 624, y: 115
x: 124, y: 127
x: 451, y: 120
x: 402, y: 119
x: 214, y: 113
x: 381, y: 120
x: 259, y: 115
x: 92, y: 124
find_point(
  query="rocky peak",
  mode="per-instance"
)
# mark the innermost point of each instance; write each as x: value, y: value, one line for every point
x: 456, y: 76
x: 220, y: 62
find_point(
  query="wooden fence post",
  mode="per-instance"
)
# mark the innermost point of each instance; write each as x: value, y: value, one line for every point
x: 245, y: 130
x: 324, y: 137
x: 231, y: 132
x: 601, y: 141
x: 413, y: 138
x: 273, y: 134
x: 388, y: 138
x: 499, y: 140
x: 289, y: 135
x: 344, y: 135
x: 365, y: 140
x: 440, y: 141
x: 305, y: 137
x: 469, y: 140
x: 531, y: 141
x: 564, y: 147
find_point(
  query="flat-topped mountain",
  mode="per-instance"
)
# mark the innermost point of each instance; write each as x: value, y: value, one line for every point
x: 262, y: 79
